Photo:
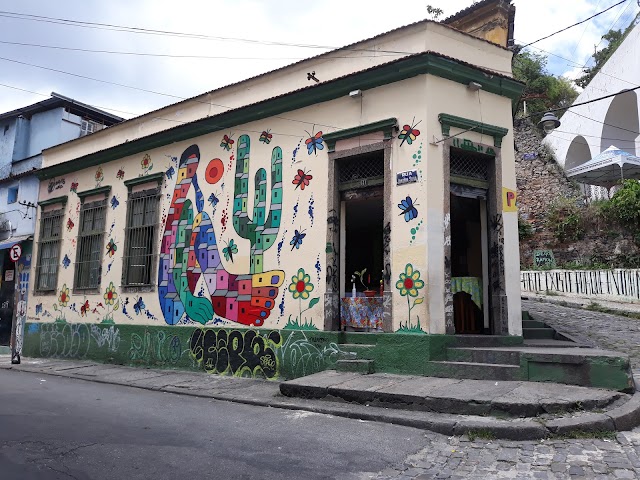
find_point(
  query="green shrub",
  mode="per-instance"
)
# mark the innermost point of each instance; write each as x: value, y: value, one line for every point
x: 525, y: 230
x: 565, y: 219
x: 624, y: 206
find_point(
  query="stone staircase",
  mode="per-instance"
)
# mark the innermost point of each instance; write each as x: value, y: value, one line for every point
x: 355, y: 357
x: 477, y: 357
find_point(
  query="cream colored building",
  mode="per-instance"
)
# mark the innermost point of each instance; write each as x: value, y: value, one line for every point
x: 258, y: 214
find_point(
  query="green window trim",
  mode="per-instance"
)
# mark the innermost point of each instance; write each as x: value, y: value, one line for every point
x: 53, y: 201
x: 95, y: 191
x: 447, y: 121
x: 154, y: 177
x: 385, y: 126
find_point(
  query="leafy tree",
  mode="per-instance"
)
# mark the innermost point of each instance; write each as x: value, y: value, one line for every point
x: 543, y: 91
x: 434, y: 12
x: 614, y: 39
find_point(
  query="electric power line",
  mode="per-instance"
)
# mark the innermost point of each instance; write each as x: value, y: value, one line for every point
x: 575, y: 24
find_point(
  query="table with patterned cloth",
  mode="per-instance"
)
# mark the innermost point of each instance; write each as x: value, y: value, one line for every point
x: 470, y: 285
x: 361, y: 312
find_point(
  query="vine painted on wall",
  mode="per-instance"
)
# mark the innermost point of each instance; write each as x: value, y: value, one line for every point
x: 190, y: 249
x: 409, y: 285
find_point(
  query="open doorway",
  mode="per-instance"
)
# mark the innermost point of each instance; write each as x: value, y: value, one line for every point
x: 363, y: 236
x: 469, y: 265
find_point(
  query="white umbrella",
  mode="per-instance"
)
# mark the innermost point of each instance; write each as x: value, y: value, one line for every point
x: 607, y: 168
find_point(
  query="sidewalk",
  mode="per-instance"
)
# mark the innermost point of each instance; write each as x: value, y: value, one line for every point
x: 512, y: 410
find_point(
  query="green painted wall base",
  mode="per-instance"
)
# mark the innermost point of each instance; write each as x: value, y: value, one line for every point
x: 287, y: 354
x: 4, y: 350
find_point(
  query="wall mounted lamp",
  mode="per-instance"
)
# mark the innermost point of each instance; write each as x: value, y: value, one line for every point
x: 549, y: 122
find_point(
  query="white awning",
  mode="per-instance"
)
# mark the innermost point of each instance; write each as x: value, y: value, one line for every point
x: 11, y: 241
x: 607, y: 169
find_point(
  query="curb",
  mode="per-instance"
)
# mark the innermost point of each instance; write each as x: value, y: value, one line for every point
x: 622, y: 418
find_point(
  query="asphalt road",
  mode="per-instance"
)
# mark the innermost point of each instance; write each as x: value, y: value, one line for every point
x: 57, y: 428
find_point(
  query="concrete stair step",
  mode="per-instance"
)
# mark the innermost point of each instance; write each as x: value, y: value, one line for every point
x: 534, y: 324
x: 551, y: 343
x: 483, y: 355
x: 485, y: 341
x: 357, y: 366
x: 475, y: 370
x: 355, y: 351
x: 538, y: 333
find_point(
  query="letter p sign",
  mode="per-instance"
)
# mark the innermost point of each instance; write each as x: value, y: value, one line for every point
x: 509, y: 198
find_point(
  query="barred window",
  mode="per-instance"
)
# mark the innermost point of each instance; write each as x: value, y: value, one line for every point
x: 90, y: 245
x: 140, y: 235
x: 49, y: 250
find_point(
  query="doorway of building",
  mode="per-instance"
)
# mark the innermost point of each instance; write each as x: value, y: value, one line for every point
x: 363, y: 237
x: 469, y: 259
x: 7, y: 292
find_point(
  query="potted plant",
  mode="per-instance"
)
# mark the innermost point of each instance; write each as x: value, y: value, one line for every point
x: 367, y: 291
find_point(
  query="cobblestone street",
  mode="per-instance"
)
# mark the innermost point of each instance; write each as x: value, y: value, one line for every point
x: 460, y: 458
x: 600, y: 458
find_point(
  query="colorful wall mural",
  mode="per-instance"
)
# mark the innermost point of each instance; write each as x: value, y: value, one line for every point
x: 238, y: 245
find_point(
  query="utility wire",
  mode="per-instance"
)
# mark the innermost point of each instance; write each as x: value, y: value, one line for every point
x: 166, y: 55
x: 147, y: 31
x: 575, y: 24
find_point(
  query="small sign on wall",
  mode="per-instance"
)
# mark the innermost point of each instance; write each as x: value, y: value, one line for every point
x: 410, y: 176
x: 544, y: 258
x: 509, y: 200
x: 8, y: 275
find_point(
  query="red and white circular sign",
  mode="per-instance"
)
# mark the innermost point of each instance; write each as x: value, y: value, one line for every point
x: 15, y: 252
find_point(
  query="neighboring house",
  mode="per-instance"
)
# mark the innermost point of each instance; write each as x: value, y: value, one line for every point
x: 179, y: 238
x: 25, y: 133
x: 589, y: 130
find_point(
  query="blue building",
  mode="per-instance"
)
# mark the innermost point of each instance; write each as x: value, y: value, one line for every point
x: 24, y: 133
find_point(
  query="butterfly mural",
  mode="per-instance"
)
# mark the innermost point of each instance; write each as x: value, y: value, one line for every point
x: 302, y: 179
x: 227, y: 142
x: 84, y: 308
x: 38, y: 309
x: 296, y: 241
x: 409, y: 133
x: 213, y: 200
x: 230, y: 250
x: 70, y: 224
x: 111, y: 248
x: 408, y: 209
x: 114, y: 202
x: 266, y: 137
x: 66, y: 261
x: 314, y: 143
x: 139, y: 306
x: 170, y: 172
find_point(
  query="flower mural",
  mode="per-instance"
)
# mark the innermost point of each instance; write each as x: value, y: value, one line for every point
x: 146, y: 163
x: 99, y: 177
x: 110, y: 294
x: 409, y: 285
x: 301, y: 285
x: 300, y: 288
x: 64, y: 297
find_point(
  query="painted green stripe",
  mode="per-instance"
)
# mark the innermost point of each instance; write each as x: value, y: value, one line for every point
x: 95, y: 191
x: 53, y: 201
x: 426, y: 63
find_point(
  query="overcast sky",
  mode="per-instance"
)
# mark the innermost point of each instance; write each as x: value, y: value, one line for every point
x: 331, y: 23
